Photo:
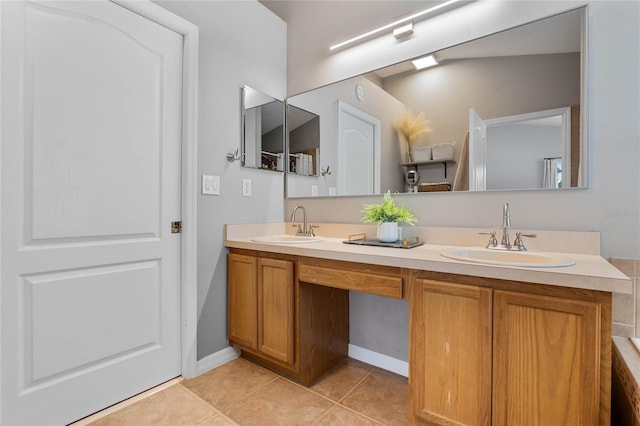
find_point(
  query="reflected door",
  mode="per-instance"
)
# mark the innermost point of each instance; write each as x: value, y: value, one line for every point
x: 358, y: 152
x: 90, y: 303
x: 477, y: 152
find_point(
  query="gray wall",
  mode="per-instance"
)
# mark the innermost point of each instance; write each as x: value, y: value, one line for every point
x: 610, y: 205
x: 240, y: 43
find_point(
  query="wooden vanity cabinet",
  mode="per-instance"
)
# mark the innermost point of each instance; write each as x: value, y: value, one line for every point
x: 503, y: 353
x: 482, y: 351
x: 261, y: 305
x: 295, y: 328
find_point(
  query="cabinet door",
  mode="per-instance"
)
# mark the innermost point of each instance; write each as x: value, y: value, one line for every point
x: 275, y: 309
x: 546, y: 360
x: 242, y: 309
x: 450, y: 355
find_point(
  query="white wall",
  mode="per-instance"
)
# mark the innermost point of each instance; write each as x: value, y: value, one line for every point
x: 610, y: 205
x: 241, y: 43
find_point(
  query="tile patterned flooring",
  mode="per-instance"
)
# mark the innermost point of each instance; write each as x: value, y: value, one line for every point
x: 242, y: 393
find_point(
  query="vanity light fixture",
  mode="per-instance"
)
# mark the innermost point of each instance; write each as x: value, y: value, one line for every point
x: 403, y: 31
x: 424, y: 62
x: 392, y: 25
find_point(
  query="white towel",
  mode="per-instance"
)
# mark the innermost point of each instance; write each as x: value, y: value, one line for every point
x: 550, y: 172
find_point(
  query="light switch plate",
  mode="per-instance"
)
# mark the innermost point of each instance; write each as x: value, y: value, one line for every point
x: 246, y: 187
x: 210, y: 185
x: 314, y: 190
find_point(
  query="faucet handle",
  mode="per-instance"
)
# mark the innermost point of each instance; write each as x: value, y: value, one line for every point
x: 493, y: 241
x: 313, y: 234
x: 519, y: 242
x: 299, y: 227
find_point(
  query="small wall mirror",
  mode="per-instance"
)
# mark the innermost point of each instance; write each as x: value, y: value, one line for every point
x: 304, y: 141
x: 262, y: 133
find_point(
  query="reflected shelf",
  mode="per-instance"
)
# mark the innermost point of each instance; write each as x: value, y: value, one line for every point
x: 416, y: 164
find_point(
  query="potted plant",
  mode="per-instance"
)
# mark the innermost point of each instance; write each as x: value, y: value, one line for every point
x: 387, y: 215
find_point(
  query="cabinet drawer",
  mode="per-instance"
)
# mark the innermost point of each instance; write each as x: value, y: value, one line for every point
x: 363, y: 281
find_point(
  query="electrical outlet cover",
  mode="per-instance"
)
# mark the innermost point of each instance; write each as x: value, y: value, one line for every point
x: 246, y: 187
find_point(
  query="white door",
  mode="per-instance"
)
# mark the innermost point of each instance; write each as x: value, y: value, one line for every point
x: 477, y: 152
x: 358, y: 152
x: 90, y: 162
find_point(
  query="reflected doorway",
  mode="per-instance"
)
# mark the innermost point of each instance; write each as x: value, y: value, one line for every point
x: 358, y: 152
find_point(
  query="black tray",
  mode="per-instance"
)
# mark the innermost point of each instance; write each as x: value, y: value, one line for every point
x: 406, y: 244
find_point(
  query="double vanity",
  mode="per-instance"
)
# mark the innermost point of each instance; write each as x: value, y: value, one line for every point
x: 510, y: 338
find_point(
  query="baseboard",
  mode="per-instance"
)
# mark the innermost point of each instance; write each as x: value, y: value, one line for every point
x: 379, y: 360
x: 216, y: 359
x: 356, y: 352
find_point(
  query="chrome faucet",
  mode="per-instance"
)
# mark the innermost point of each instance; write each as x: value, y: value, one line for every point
x: 506, y: 225
x: 505, y: 243
x: 305, y: 230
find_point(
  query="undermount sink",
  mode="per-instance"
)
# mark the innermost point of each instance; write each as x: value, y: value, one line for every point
x: 509, y: 258
x: 287, y: 239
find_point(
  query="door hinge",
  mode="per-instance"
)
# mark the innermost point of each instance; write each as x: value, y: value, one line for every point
x: 176, y: 227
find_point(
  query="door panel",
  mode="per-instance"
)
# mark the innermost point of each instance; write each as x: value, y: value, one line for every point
x: 56, y: 301
x: 91, y: 181
x: 356, y: 156
x: 276, y: 309
x: 358, y: 149
x: 86, y: 139
x: 242, y: 300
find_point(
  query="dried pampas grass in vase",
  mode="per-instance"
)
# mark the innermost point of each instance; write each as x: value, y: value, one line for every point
x: 412, y: 127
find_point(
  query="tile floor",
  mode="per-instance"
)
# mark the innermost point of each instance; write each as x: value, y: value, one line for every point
x: 242, y: 393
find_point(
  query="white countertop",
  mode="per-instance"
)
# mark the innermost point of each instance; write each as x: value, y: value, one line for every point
x: 591, y: 271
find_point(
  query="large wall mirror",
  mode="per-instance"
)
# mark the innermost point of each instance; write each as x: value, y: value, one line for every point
x: 262, y: 144
x: 504, y: 113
